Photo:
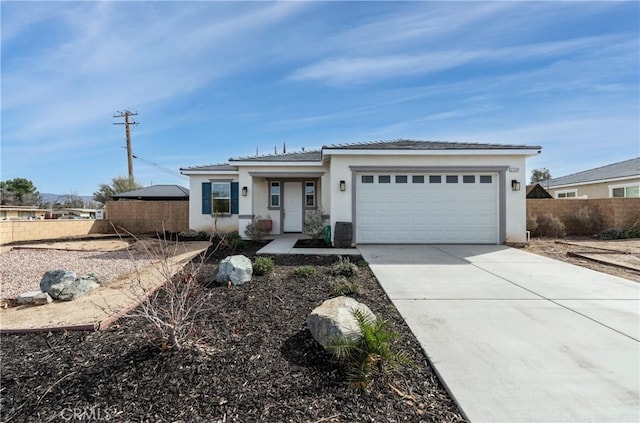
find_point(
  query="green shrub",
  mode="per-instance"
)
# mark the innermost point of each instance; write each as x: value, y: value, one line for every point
x: 615, y: 233
x: 344, y: 267
x: 368, y: 352
x: 234, y: 241
x: 340, y: 285
x: 304, y: 271
x: 550, y: 225
x: 587, y: 220
x: 263, y: 266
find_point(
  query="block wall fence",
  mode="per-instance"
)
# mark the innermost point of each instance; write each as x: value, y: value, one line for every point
x: 619, y: 213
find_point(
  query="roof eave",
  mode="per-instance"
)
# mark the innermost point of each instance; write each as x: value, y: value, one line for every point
x: 596, y: 181
x: 207, y: 172
x: 302, y: 163
x: 440, y: 152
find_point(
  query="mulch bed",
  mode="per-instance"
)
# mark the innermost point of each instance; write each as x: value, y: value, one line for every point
x: 254, y: 361
x: 313, y: 243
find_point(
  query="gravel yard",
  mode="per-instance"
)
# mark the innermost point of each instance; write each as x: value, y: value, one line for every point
x: 22, y: 269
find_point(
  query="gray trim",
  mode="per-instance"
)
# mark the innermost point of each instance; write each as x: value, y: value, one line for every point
x: 221, y: 180
x: 500, y: 170
x: 288, y: 175
x: 245, y: 216
x: 428, y: 168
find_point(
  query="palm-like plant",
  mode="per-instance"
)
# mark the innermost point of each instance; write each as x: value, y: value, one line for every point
x: 368, y: 352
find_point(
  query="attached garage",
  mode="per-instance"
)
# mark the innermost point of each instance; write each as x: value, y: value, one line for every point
x: 433, y: 206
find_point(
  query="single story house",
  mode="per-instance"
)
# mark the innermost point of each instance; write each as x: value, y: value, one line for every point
x: 616, y: 180
x: 400, y: 191
x: 75, y: 213
x: 23, y: 213
x: 155, y: 193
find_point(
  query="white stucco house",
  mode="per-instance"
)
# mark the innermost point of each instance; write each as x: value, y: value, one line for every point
x: 400, y: 191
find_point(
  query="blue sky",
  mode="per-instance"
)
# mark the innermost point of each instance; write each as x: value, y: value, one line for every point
x: 213, y: 80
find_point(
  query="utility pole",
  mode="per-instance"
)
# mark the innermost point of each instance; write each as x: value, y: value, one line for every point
x: 127, y: 127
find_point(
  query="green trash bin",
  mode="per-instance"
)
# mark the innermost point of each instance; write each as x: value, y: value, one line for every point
x: 327, y: 234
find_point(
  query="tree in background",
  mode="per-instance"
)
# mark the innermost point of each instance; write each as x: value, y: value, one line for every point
x: 540, y: 175
x: 19, y: 192
x: 73, y: 201
x: 119, y: 184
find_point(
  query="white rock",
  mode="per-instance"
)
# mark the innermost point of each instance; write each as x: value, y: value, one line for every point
x: 334, y: 317
x: 237, y: 269
x: 34, y: 298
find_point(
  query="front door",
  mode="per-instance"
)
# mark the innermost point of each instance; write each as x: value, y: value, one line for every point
x: 292, y: 207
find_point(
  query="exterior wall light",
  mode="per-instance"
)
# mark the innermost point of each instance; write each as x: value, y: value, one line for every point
x: 343, y: 186
x: 515, y: 185
x: 245, y: 190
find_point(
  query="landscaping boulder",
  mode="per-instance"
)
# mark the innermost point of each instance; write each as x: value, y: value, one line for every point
x: 53, y: 277
x: 68, y: 290
x: 34, y: 298
x: 334, y: 317
x: 237, y: 269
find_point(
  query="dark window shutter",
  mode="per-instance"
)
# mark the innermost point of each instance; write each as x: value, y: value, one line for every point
x: 234, y: 198
x: 206, y: 198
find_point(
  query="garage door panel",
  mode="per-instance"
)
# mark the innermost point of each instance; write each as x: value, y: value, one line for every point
x: 427, y: 212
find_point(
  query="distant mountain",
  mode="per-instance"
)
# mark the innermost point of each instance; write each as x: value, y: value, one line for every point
x: 52, y: 198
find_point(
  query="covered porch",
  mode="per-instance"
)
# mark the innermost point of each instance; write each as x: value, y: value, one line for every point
x: 280, y: 200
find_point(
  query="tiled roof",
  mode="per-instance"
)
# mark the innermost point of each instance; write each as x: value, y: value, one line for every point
x: 316, y: 155
x: 299, y: 156
x: 427, y: 145
x: 156, y: 191
x: 623, y: 169
x: 216, y: 167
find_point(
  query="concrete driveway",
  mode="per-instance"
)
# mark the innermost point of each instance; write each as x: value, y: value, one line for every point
x: 517, y: 337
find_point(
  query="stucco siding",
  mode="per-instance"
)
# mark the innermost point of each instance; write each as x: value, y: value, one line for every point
x: 515, y: 216
x: 206, y: 222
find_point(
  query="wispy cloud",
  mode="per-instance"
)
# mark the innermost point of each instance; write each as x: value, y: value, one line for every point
x: 371, y: 69
x: 110, y: 57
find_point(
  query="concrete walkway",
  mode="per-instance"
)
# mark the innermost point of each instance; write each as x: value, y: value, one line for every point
x: 284, y: 245
x: 517, y: 337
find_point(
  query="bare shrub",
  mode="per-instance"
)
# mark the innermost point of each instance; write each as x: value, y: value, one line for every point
x: 173, y: 305
x: 314, y: 224
x: 532, y: 223
x: 550, y: 225
x: 587, y: 221
x: 255, y: 231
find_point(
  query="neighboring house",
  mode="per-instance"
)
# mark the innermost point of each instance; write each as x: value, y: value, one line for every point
x: 620, y: 179
x: 75, y: 213
x: 23, y: 213
x: 156, y: 193
x: 536, y: 191
x: 400, y: 191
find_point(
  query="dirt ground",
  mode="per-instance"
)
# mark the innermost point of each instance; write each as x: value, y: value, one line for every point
x: 622, y: 252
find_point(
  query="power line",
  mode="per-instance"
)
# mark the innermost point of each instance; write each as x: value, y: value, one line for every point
x: 157, y: 166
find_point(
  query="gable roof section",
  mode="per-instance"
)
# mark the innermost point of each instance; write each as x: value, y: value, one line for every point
x: 155, y: 192
x: 625, y: 169
x: 537, y: 191
x: 427, y: 145
x: 300, y: 156
x: 317, y: 155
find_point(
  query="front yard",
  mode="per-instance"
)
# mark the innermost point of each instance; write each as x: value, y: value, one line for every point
x: 254, y: 360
